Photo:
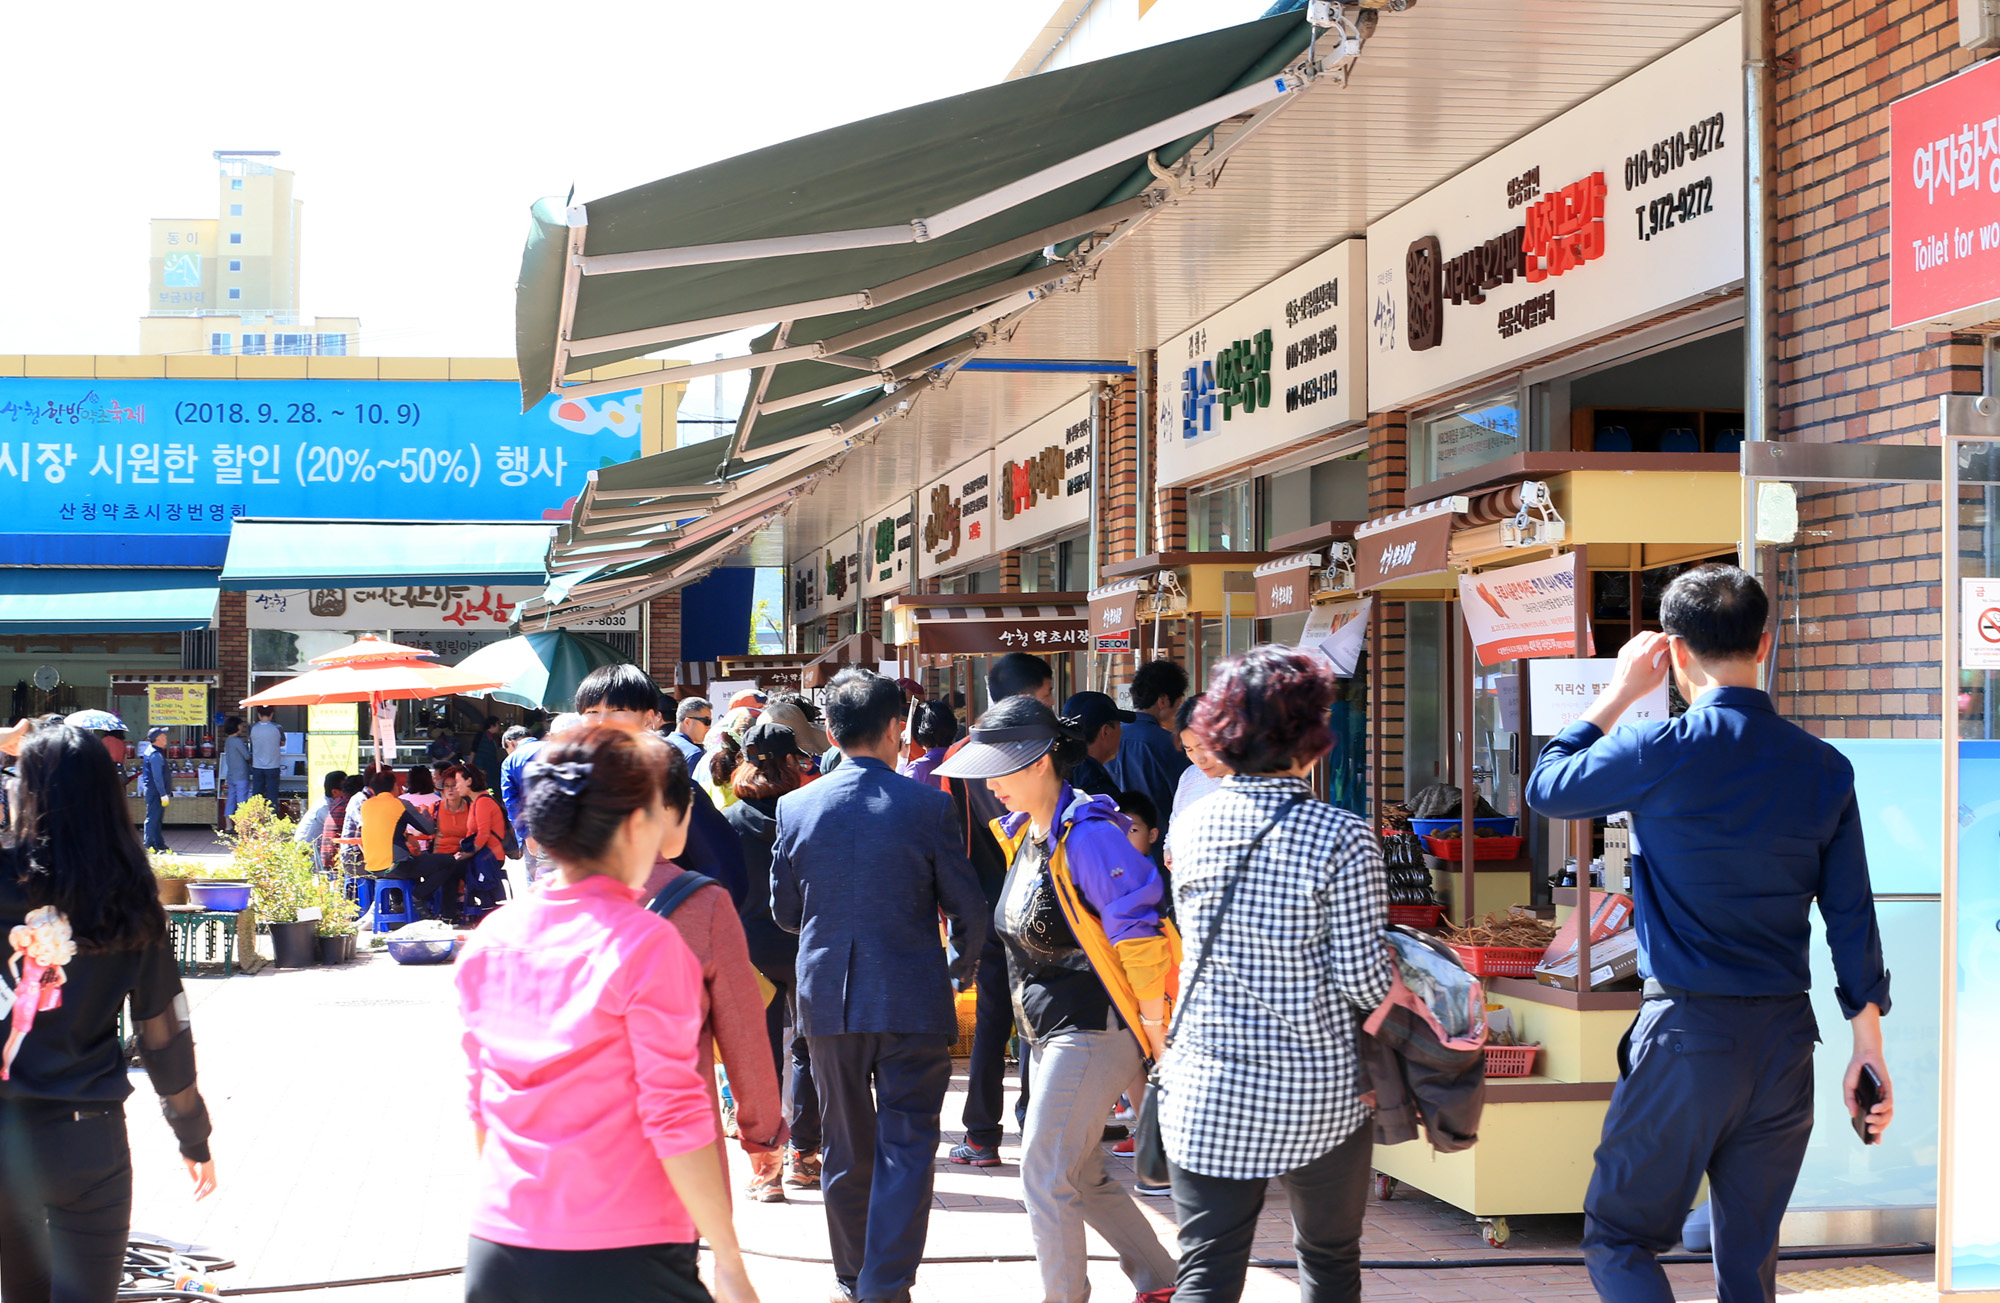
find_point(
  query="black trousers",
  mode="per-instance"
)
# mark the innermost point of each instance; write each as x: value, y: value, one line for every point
x: 65, y: 1202
x: 432, y: 872
x: 655, y: 1273
x: 876, y: 1164
x: 784, y: 1006
x: 1218, y: 1221
x: 986, y: 1074
x: 1712, y: 1085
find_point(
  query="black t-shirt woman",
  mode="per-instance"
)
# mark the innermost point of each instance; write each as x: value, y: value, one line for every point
x: 81, y: 912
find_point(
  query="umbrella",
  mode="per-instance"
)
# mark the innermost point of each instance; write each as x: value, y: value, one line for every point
x: 102, y: 721
x: 372, y: 681
x: 540, y: 670
x: 371, y: 648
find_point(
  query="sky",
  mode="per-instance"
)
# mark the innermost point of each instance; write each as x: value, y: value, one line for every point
x: 420, y: 133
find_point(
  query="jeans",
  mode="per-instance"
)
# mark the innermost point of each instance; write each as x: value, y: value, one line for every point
x: 1714, y: 1086
x: 65, y: 1201
x: 1218, y: 1221
x: 880, y: 1147
x: 1078, y: 1076
x: 507, y: 1273
x: 784, y: 1006
x: 156, y: 817
x: 238, y: 793
x: 264, y: 783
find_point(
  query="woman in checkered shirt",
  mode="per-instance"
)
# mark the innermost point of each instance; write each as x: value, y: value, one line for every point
x: 1261, y: 1079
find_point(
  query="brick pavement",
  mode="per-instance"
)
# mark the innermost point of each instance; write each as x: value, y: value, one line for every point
x: 343, y: 1152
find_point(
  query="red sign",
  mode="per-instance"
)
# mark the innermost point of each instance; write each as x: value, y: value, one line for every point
x: 1944, y: 201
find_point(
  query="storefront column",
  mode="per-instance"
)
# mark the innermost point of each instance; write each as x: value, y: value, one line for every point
x: 1388, y: 461
x: 1388, y: 478
x: 663, y: 638
x: 232, y: 649
x: 1010, y: 571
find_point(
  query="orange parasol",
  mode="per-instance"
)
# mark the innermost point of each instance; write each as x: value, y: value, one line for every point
x: 371, y: 648
x: 396, y: 680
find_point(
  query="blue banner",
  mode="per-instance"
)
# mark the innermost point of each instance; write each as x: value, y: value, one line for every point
x: 178, y: 457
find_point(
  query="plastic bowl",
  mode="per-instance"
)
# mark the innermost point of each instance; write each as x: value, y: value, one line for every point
x: 222, y: 897
x: 1432, y: 827
x: 424, y: 950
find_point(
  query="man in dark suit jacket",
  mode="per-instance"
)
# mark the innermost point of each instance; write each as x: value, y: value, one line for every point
x: 863, y: 862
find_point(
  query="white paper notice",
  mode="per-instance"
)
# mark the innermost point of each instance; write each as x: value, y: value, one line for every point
x: 1979, y: 624
x: 1559, y: 691
x: 1338, y: 631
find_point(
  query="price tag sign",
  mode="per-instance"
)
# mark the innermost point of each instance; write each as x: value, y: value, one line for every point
x: 177, y: 704
x: 1559, y: 691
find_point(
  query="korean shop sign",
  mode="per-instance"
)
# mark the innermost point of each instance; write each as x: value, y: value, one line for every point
x: 1627, y: 206
x: 885, y: 551
x: 1044, y: 636
x: 1419, y: 547
x: 1278, y: 366
x: 840, y: 572
x: 1944, y: 202
x: 955, y: 517
x: 1285, y: 586
x: 402, y: 606
x: 1522, y: 611
x: 188, y: 456
x: 803, y: 601
x: 1041, y: 477
x: 1114, y: 608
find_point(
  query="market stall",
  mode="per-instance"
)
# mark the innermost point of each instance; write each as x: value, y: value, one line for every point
x: 957, y: 633
x: 185, y: 702
x: 1207, y: 599
x: 863, y: 649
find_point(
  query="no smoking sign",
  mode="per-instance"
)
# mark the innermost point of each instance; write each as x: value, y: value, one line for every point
x: 1979, y: 624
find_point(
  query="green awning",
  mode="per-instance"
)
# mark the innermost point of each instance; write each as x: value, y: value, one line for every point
x: 883, y: 245
x: 50, y: 600
x: 362, y: 554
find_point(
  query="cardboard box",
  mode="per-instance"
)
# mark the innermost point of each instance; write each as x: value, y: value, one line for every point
x: 1609, y: 913
x: 1613, y: 960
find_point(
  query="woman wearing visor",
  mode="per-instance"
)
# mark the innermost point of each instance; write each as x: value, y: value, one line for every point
x: 1088, y: 963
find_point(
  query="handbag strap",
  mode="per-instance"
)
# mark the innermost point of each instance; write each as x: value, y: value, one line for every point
x: 1222, y: 908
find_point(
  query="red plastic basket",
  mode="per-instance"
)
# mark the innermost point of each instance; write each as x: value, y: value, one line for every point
x: 1421, y: 917
x: 1510, y: 1060
x: 1490, y: 848
x: 1499, y: 961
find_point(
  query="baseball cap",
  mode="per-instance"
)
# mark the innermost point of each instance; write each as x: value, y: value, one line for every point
x: 767, y: 738
x: 808, y: 734
x: 748, y: 697
x: 1089, y: 712
x: 997, y: 752
x: 912, y: 690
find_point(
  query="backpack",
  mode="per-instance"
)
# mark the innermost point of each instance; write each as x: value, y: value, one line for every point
x: 676, y: 893
x: 509, y: 842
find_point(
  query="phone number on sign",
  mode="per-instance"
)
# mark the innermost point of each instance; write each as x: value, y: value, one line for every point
x: 295, y: 414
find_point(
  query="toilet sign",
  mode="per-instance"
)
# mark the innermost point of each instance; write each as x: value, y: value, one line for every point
x: 1979, y: 624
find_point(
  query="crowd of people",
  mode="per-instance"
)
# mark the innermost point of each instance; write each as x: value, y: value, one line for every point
x: 1150, y: 902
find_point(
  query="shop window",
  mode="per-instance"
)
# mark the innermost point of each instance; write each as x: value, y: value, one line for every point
x: 1038, y: 569
x: 1471, y: 434
x: 1223, y: 519
x: 1616, y: 594
x: 1423, y: 701
x: 983, y: 581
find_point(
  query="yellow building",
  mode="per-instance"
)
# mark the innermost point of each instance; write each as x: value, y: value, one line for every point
x: 229, y: 284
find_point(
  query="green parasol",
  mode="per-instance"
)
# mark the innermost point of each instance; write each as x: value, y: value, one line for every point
x: 540, y: 670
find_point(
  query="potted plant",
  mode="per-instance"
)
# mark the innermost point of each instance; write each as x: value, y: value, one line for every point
x: 172, y: 872
x: 282, y: 881
x: 337, y: 925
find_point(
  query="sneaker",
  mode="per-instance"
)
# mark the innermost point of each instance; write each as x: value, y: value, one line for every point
x: 1114, y: 1133
x: 975, y: 1155
x: 804, y: 1173
x: 1124, y: 1147
x: 1156, y: 1296
x: 729, y: 1118
x: 768, y: 1189
x: 1159, y: 1191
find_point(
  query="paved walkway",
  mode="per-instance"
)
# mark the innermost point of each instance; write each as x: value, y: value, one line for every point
x: 344, y: 1152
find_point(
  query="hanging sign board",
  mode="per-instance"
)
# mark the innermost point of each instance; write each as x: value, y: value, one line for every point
x: 1041, y: 477
x: 337, y: 717
x: 803, y: 600
x: 954, y: 520
x: 886, y: 550
x: 1979, y: 624
x: 1114, y: 609
x: 1628, y: 205
x: 1285, y: 586
x: 1114, y: 642
x: 404, y: 606
x: 1339, y: 632
x: 1944, y: 203
x: 1044, y: 636
x: 1522, y: 611
x: 177, y: 704
x: 1559, y: 691
x: 1418, y: 547
x: 328, y: 752
x: 840, y: 572
x: 1278, y: 366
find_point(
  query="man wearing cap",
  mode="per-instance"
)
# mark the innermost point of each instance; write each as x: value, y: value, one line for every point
x: 153, y: 787
x: 1098, y: 718
x: 863, y: 862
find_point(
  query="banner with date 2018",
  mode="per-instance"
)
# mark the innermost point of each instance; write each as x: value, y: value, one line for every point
x: 1523, y: 611
x: 156, y: 456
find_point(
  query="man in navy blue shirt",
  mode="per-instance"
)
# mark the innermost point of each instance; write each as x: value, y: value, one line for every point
x: 1150, y: 758
x: 1740, y: 822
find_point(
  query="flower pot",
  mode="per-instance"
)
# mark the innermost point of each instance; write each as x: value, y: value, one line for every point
x: 332, y: 950
x: 293, y: 945
x: 173, y: 891
x: 347, y: 944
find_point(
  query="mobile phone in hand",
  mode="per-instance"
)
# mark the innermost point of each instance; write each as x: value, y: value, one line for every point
x: 1867, y: 1094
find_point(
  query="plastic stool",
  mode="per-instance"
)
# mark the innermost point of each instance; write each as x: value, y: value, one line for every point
x: 394, y: 903
x: 362, y: 892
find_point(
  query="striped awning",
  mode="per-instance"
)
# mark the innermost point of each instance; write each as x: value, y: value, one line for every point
x: 974, y: 625
x: 854, y: 649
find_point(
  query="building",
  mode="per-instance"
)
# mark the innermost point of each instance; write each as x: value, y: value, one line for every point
x: 229, y: 284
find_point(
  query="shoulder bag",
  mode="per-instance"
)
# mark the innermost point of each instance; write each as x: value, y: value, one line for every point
x: 1149, y: 1151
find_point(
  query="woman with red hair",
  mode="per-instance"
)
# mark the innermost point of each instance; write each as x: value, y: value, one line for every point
x: 1285, y: 900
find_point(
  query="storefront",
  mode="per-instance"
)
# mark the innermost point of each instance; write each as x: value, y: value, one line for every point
x: 959, y: 635
x: 956, y: 514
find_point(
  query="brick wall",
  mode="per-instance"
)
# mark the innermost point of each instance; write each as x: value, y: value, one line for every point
x: 1388, y: 477
x: 1388, y: 461
x: 1862, y: 576
x: 1010, y: 571
x: 663, y: 638
x: 232, y: 648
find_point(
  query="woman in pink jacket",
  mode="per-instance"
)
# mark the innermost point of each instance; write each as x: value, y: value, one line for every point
x: 598, y: 1166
